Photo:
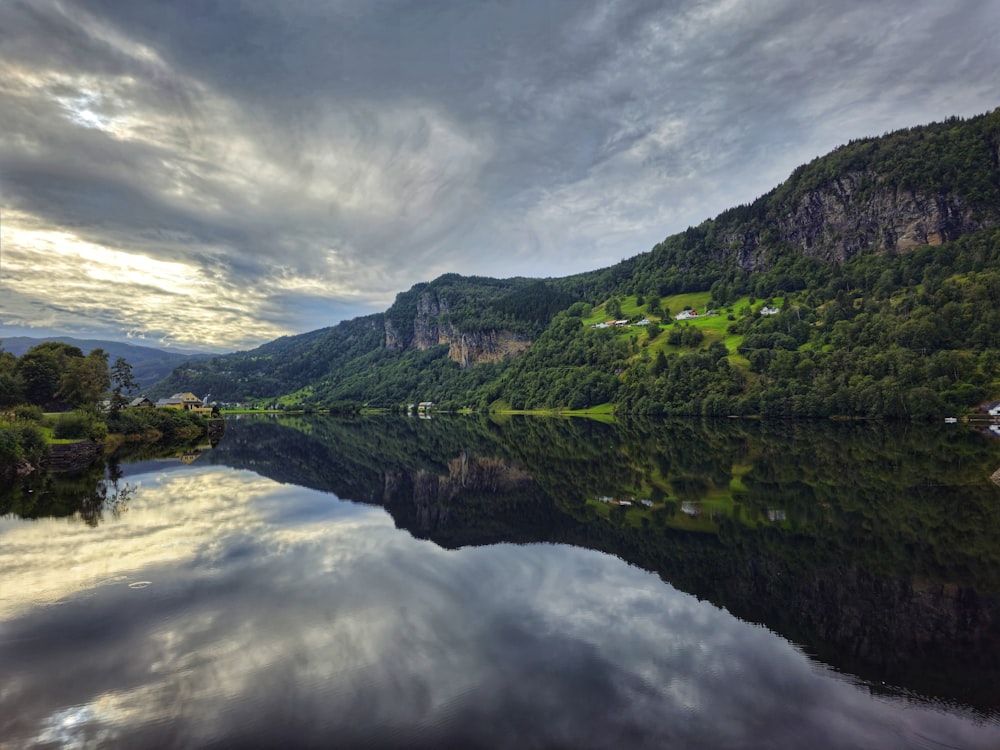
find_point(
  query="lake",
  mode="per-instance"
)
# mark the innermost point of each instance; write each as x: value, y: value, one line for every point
x: 393, y: 582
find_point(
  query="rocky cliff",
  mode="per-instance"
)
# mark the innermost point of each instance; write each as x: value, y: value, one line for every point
x: 854, y: 212
x: 431, y: 327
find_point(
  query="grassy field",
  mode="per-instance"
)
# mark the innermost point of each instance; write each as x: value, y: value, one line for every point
x: 51, y: 440
x: 714, y: 327
x: 295, y: 398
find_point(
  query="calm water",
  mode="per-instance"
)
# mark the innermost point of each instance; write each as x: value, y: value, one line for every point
x: 533, y: 583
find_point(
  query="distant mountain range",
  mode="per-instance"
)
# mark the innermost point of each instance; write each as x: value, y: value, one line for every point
x: 149, y: 365
x: 881, y: 261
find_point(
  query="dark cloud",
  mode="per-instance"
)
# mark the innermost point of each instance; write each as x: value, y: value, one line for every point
x: 364, y: 146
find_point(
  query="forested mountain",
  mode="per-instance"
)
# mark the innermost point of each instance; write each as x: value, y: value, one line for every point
x: 867, y: 284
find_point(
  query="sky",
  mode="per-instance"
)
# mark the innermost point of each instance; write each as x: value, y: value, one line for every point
x: 212, y: 175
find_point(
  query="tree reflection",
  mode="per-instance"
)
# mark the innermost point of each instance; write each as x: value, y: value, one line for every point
x: 872, y: 545
x: 93, y: 494
x: 109, y: 496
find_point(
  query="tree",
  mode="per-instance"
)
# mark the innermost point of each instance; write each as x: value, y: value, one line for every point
x: 658, y: 365
x: 11, y: 385
x: 85, y: 380
x: 123, y: 384
x: 40, y: 369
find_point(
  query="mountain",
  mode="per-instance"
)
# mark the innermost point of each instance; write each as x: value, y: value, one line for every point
x: 867, y: 284
x: 149, y: 365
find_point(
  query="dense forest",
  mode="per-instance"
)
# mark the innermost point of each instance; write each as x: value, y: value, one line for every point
x: 867, y: 284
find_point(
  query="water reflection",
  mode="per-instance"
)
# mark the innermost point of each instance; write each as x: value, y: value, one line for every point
x: 871, y: 545
x: 275, y: 615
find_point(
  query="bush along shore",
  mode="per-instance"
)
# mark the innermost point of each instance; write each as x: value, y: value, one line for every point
x: 30, y: 440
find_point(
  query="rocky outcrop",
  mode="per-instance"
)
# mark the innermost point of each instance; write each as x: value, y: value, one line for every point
x: 70, y: 456
x: 853, y: 212
x: 485, y: 346
x: 431, y: 328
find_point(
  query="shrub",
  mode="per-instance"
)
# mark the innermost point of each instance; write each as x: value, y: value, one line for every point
x: 34, y: 446
x: 79, y: 425
x: 168, y: 422
x: 128, y: 422
x: 28, y: 412
x: 73, y: 424
x: 98, y: 431
x: 10, y: 446
x: 21, y: 442
x: 175, y: 422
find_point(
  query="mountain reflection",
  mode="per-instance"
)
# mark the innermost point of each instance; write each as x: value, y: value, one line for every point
x: 871, y: 546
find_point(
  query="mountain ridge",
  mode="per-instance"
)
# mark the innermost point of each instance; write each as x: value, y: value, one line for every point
x: 844, y: 238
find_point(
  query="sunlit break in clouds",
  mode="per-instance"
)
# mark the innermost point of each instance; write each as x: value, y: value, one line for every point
x: 212, y: 176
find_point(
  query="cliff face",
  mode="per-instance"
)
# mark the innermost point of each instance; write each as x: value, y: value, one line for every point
x: 857, y: 211
x: 466, y: 348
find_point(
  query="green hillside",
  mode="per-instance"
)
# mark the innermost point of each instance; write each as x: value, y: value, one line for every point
x: 880, y: 263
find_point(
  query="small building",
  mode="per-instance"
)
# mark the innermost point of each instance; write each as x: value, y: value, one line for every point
x: 768, y: 310
x: 686, y: 315
x: 185, y: 401
x: 139, y: 401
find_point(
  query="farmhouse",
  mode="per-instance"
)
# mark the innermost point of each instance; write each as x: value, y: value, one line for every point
x: 185, y: 401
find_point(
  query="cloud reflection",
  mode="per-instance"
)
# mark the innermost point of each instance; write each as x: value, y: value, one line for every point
x: 280, y: 616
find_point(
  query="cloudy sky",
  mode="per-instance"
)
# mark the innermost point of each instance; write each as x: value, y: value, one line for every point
x: 211, y: 175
